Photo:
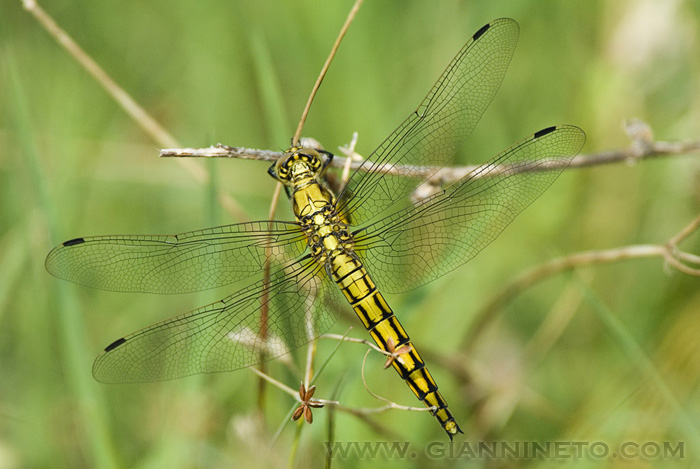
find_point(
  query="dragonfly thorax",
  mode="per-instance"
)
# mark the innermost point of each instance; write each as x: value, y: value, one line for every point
x: 327, y: 235
x: 301, y: 170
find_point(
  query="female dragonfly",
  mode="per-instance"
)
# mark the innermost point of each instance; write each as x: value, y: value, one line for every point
x: 339, y: 249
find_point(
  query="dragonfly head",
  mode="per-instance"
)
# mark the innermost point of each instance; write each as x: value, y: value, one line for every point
x: 300, y: 163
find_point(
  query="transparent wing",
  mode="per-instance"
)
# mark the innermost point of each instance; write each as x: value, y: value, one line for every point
x: 226, y: 335
x: 432, y: 134
x: 423, y: 242
x: 186, y: 262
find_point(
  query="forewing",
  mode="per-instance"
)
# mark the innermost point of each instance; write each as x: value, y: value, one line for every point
x: 438, y: 234
x: 300, y: 305
x: 186, y: 262
x: 431, y: 135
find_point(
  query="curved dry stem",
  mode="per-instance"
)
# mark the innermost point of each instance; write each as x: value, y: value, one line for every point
x: 691, y: 228
x: 390, y: 404
x: 669, y: 252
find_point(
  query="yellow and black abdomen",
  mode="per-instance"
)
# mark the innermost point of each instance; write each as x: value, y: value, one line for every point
x: 386, y: 330
x: 331, y: 244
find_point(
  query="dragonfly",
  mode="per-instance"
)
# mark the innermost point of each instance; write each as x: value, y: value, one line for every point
x: 349, y: 248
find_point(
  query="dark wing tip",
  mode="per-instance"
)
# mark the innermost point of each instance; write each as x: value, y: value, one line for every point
x: 481, y: 31
x: 73, y: 242
x: 544, y: 132
x: 488, y: 26
x: 51, y: 264
x: 115, y: 344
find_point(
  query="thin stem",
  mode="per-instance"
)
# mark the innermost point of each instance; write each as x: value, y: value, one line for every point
x: 390, y: 404
x: 343, y: 338
x: 310, y: 354
x: 278, y: 188
x: 264, y: 376
x: 264, y: 306
x: 685, y: 232
x: 321, y: 76
x: 292, y: 392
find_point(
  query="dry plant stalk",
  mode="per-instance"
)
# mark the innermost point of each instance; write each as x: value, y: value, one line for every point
x: 642, y: 146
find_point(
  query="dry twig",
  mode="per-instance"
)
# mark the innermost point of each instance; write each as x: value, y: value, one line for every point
x: 642, y: 146
x: 682, y: 261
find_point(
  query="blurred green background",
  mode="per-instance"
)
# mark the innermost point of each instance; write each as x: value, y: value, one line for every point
x: 607, y: 353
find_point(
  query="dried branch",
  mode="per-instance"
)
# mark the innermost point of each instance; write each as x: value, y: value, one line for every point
x: 134, y: 110
x: 642, y: 146
x: 682, y: 261
x: 137, y: 113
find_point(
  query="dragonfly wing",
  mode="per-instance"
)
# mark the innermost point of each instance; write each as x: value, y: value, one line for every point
x: 420, y: 243
x: 432, y: 134
x: 301, y: 303
x: 186, y: 262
